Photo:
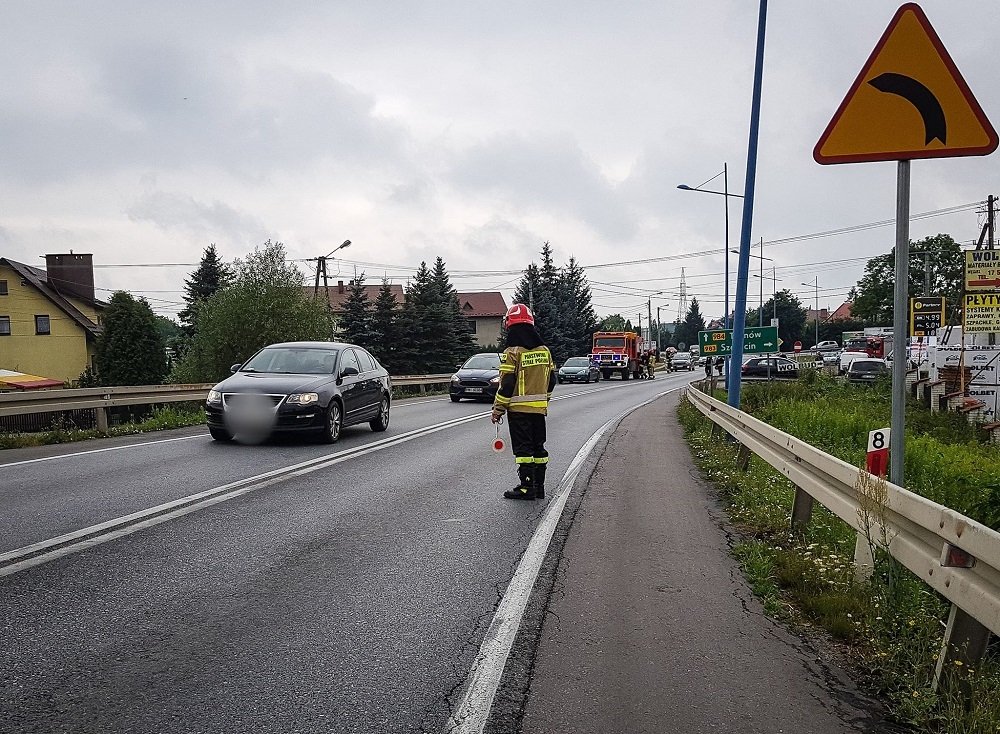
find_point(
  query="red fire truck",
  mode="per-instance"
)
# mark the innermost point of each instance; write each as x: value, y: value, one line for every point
x: 616, y: 351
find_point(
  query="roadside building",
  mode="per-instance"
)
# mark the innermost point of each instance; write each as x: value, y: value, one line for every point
x: 485, y: 312
x: 49, y: 319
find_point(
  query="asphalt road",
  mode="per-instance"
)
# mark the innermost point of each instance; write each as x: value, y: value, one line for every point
x: 348, y: 595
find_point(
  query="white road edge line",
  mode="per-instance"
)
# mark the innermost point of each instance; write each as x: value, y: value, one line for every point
x: 474, y: 709
x: 99, y: 451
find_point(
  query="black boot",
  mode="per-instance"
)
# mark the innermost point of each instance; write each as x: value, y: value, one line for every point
x: 526, y: 489
x: 540, y: 481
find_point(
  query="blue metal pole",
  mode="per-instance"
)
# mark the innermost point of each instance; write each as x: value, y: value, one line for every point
x: 743, y: 274
x: 725, y: 318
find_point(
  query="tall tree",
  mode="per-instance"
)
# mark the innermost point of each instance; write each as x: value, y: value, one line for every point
x: 130, y: 350
x: 211, y: 275
x: 614, y: 322
x: 579, y: 319
x: 385, y: 330
x: 873, y: 295
x: 791, y: 316
x: 264, y: 304
x: 355, y: 321
x: 687, y: 330
x: 459, y: 344
x: 422, y: 323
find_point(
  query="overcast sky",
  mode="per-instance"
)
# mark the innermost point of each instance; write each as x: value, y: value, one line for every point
x: 141, y: 132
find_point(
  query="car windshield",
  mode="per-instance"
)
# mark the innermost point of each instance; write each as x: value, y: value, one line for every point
x: 293, y: 361
x: 867, y: 367
x: 610, y: 343
x: 576, y: 362
x: 482, y: 362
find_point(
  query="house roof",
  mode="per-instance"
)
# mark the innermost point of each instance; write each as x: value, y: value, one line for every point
x: 337, y: 298
x: 22, y: 381
x: 39, y: 280
x: 488, y: 303
x: 843, y: 311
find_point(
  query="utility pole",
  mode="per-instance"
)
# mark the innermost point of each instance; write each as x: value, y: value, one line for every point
x: 321, y: 267
x: 531, y: 298
x: 927, y: 274
x: 649, y: 309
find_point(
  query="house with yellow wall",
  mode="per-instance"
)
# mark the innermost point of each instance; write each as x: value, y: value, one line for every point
x: 49, y: 319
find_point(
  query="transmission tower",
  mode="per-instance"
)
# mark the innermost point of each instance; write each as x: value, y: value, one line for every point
x: 682, y: 301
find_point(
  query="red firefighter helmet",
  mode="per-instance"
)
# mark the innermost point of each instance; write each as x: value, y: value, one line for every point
x: 518, y: 314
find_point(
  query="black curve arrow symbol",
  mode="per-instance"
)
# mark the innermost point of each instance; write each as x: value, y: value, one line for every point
x: 920, y: 97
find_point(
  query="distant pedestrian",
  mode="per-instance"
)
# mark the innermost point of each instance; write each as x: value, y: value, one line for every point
x: 708, y: 366
x: 720, y: 362
x: 650, y: 364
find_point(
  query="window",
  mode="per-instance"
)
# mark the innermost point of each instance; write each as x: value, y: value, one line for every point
x: 349, y: 360
x: 4, y: 325
x: 42, y: 324
x: 3, y: 287
x: 472, y: 326
x: 365, y: 359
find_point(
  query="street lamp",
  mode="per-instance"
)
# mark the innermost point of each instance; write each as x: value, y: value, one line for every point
x: 761, y: 276
x: 817, y: 309
x: 321, y: 265
x: 649, y: 310
x: 774, y: 290
x: 725, y: 193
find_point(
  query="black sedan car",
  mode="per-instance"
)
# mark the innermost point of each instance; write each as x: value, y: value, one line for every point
x: 578, y: 369
x: 315, y: 387
x: 866, y: 371
x: 478, y: 378
x: 770, y: 367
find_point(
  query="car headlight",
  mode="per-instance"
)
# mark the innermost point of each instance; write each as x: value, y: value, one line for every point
x: 454, y: 378
x: 495, y: 380
x: 214, y: 396
x: 303, y: 398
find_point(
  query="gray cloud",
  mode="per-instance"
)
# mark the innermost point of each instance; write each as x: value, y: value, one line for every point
x: 212, y: 222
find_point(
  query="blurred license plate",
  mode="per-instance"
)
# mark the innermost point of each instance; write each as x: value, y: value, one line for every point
x: 473, y: 389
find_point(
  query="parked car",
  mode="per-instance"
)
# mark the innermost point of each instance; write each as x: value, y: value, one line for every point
x: 773, y: 367
x: 866, y: 370
x: 578, y: 369
x: 827, y: 346
x: 831, y: 359
x: 846, y: 357
x: 318, y: 387
x: 478, y: 378
x: 682, y: 361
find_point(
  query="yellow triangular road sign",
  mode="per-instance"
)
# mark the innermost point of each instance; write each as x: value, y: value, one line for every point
x: 910, y: 101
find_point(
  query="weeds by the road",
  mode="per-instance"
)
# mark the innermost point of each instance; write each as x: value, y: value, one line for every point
x: 161, y: 419
x: 891, y: 626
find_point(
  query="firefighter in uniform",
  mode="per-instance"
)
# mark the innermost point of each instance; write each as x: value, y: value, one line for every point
x: 650, y: 364
x: 527, y: 378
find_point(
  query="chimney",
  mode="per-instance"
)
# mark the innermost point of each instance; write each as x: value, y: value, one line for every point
x: 340, y: 286
x: 71, y: 275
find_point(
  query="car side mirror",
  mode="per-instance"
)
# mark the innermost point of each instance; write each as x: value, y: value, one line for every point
x: 349, y: 372
x: 236, y: 367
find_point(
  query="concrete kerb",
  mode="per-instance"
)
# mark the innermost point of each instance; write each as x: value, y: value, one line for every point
x: 513, y: 691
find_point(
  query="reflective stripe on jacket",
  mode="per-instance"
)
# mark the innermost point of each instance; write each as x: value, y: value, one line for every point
x: 526, y: 380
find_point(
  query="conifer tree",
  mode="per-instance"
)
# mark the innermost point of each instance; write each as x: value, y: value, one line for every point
x: 385, y: 330
x: 355, y: 322
x: 211, y: 275
x: 130, y: 350
x: 460, y: 344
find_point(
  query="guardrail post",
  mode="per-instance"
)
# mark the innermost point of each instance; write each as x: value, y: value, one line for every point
x: 802, y: 510
x: 864, y: 562
x: 102, y: 419
x: 962, y: 650
x: 743, y: 457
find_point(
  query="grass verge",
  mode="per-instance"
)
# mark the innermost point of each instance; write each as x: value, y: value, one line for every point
x: 891, y: 627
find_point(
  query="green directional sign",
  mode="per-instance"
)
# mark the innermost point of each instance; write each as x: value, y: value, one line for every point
x: 758, y: 340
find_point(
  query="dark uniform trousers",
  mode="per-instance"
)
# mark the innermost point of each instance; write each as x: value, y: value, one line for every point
x: 527, y: 436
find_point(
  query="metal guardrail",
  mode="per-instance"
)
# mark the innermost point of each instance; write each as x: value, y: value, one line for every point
x: 48, y: 401
x: 921, y: 533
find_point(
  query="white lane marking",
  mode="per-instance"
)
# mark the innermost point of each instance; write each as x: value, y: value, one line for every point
x: 104, y: 532
x: 111, y: 529
x: 474, y: 709
x: 98, y: 451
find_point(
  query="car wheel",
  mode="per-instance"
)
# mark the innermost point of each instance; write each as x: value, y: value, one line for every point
x: 382, y: 422
x: 220, y: 434
x: 455, y: 398
x: 588, y: 379
x: 559, y: 380
x: 333, y: 424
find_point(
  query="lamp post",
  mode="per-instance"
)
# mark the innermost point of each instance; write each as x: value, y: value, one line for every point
x: 649, y: 309
x: 727, y: 195
x: 774, y: 291
x: 760, y: 311
x: 817, y: 309
x: 321, y: 265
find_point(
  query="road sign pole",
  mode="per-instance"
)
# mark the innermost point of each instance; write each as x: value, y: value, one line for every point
x: 899, y: 319
x: 743, y: 271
